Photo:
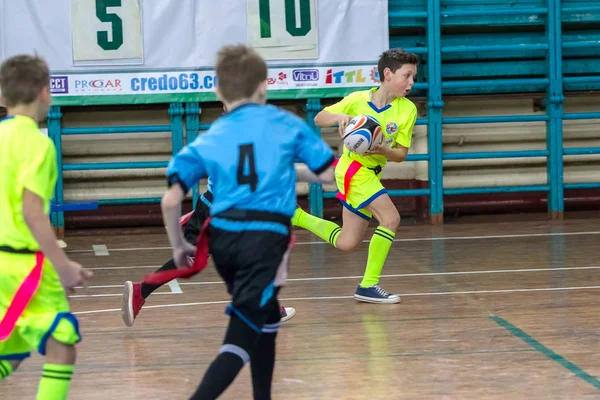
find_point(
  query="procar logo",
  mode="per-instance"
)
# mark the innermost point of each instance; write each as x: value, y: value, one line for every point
x: 305, y: 75
x: 103, y: 85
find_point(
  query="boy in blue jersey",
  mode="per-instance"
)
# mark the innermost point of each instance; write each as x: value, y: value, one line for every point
x: 136, y: 293
x: 249, y: 153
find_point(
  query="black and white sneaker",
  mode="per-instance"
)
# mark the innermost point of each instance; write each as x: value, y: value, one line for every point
x: 375, y: 294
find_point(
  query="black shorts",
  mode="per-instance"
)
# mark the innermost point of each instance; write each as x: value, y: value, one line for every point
x: 192, y: 228
x: 251, y: 263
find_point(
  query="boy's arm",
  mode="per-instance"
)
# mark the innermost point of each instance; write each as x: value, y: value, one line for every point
x: 336, y: 114
x: 171, y: 211
x: 315, y: 153
x: 72, y: 274
x: 325, y: 119
x: 36, y: 176
x: 184, y: 170
x: 304, y: 174
x: 397, y: 154
x: 39, y: 225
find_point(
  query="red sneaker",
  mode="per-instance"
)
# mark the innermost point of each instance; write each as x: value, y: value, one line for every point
x: 132, y: 301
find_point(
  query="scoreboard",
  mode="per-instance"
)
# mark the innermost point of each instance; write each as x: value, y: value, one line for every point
x: 144, y: 51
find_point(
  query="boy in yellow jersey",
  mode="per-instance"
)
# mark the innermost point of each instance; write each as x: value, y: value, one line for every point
x: 34, y: 271
x: 366, y: 197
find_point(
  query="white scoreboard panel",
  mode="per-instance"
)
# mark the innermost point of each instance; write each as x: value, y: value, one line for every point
x: 138, y: 51
x: 106, y: 30
x: 283, y: 29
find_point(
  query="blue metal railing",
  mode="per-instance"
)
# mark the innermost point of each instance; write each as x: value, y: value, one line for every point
x: 553, y: 83
x: 498, y: 189
x: 435, y: 106
x: 494, y: 119
x: 498, y: 12
x: 56, y: 131
x: 115, y: 129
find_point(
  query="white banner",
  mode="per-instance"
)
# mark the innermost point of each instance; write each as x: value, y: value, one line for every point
x: 314, y: 48
x: 282, y: 82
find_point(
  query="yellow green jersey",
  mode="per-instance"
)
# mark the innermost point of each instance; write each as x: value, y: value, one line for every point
x: 397, y: 120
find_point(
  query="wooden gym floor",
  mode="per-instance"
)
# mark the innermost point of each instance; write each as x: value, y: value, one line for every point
x: 488, y: 311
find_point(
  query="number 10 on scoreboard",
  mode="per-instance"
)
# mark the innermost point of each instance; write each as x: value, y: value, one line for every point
x: 283, y: 29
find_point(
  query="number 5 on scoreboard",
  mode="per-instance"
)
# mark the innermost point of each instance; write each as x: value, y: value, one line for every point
x: 106, y: 30
x: 283, y: 29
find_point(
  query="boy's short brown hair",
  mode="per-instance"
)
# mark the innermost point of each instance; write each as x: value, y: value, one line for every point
x: 394, y: 59
x: 239, y: 72
x: 22, y: 78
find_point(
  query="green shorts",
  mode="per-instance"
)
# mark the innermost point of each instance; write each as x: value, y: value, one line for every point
x: 46, y: 315
x: 363, y: 187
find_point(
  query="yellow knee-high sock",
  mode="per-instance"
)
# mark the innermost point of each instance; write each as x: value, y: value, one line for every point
x: 5, y: 369
x: 378, y: 250
x: 326, y: 230
x: 55, y: 382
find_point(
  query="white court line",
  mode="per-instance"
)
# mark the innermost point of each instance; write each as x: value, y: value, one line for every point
x: 205, y: 303
x: 423, y: 239
x: 81, y: 296
x: 332, y: 278
x: 127, y: 249
x: 500, y: 271
x: 174, y: 286
x: 100, y: 250
x: 139, y: 266
x: 444, y: 238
